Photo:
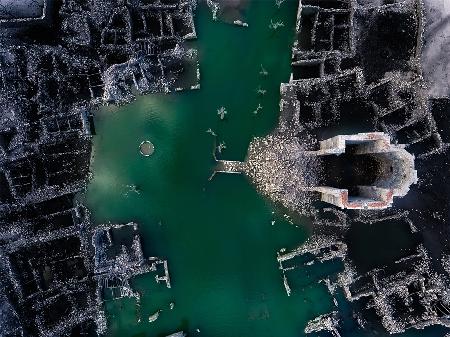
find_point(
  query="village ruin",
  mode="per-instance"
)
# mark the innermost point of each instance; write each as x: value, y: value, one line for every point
x: 356, y: 84
x: 57, y: 269
x: 356, y: 89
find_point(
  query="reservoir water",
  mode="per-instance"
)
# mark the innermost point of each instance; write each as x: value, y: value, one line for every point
x: 218, y: 235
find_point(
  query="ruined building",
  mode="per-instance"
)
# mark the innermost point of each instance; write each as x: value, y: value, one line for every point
x: 361, y: 148
x: 362, y: 171
x: 118, y: 258
x: 365, y: 170
x: 357, y: 67
x: 58, y: 61
x: 407, y: 294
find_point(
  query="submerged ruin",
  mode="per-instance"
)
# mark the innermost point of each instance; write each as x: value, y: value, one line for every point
x: 357, y: 67
x: 364, y: 171
x: 356, y: 72
x: 118, y: 258
x: 59, y: 60
x: 361, y: 143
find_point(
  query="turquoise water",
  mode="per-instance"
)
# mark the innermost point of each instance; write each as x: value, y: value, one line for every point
x: 217, y: 235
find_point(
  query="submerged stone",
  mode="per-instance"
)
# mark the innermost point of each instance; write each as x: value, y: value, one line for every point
x: 146, y: 148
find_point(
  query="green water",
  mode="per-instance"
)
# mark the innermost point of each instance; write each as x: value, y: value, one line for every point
x: 217, y: 235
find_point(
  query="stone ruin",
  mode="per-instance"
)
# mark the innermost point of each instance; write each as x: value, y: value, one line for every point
x: 118, y: 258
x: 366, y: 171
x: 55, y: 69
x: 361, y: 171
x: 356, y: 72
x: 23, y: 11
x: 357, y: 66
x: 408, y: 294
x: 46, y: 268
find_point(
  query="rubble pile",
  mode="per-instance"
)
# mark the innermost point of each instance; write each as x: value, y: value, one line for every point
x: 281, y: 170
x: 327, y: 322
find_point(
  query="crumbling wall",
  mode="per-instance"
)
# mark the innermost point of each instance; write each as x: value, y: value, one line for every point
x: 371, y: 82
x: 54, y: 70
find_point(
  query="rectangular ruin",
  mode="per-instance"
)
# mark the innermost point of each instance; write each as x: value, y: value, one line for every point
x: 97, y: 52
x: 25, y: 10
x: 118, y: 258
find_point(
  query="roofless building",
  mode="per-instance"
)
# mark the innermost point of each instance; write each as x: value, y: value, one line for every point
x: 364, y: 171
x: 360, y: 171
